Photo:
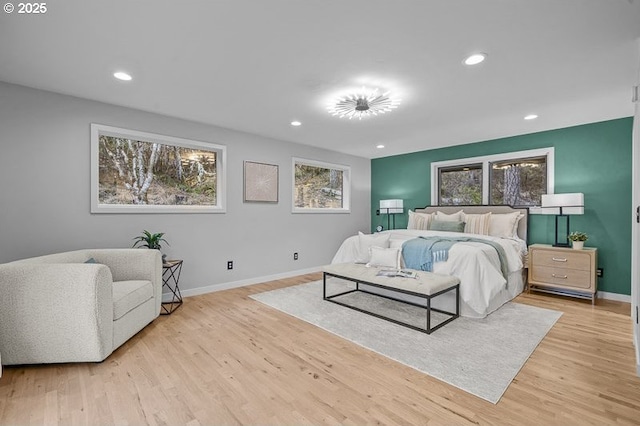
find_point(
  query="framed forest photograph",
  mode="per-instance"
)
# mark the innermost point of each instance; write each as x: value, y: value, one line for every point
x: 139, y: 172
x: 260, y: 182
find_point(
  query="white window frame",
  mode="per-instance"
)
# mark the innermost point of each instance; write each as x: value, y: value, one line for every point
x: 346, y: 186
x: 221, y: 168
x: 486, y: 161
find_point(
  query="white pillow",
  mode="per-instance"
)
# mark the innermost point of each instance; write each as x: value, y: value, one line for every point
x: 396, y: 243
x: 366, y: 241
x: 503, y: 225
x: 477, y: 223
x: 515, y: 225
x: 454, y: 217
x: 419, y: 220
x: 385, y: 257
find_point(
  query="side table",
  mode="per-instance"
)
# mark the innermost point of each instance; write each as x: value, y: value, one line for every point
x: 171, y: 270
x: 564, y: 271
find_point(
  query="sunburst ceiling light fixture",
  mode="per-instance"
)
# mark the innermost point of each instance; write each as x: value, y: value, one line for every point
x: 363, y: 104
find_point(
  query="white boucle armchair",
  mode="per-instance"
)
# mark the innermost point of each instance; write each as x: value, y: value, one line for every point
x: 57, y: 308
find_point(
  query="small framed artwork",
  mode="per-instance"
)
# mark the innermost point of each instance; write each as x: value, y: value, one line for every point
x: 260, y: 182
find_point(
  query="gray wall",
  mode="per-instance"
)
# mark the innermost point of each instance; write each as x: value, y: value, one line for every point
x: 45, y: 194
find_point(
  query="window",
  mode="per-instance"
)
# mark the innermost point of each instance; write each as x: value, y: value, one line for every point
x: 460, y: 185
x: 518, y: 182
x: 516, y: 179
x: 320, y: 187
x: 137, y: 172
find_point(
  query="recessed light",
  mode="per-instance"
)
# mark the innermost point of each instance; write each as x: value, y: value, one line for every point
x: 120, y: 75
x: 380, y: 146
x: 475, y: 59
x: 296, y: 123
x: 531, y: 117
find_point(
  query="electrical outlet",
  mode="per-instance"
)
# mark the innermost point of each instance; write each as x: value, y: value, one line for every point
x: 378, y: 212
x: 295, y: 256
x: 600, y: 272
x: 230, y: 264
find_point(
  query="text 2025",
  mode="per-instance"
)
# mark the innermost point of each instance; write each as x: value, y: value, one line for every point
x: 32, y: 8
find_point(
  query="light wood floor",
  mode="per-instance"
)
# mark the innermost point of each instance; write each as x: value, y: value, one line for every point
x: 223, y: 358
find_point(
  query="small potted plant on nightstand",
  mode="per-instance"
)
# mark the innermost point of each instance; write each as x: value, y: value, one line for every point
x: 577, y: 239
x: 151, y: 241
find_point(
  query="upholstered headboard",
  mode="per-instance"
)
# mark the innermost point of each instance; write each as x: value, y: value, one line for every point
x: 523, y: 225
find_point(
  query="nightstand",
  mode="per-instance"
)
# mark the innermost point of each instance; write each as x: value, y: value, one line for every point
x: 564, y: 271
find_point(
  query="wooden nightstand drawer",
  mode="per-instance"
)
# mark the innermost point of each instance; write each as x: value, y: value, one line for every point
x: 566, y: 259
x: 563, y: 277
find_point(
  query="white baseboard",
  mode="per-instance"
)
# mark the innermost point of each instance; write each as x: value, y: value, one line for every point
x: 637, y: 350
x: 249, y: 281
x: 614, y: 296
x: 258, y: 280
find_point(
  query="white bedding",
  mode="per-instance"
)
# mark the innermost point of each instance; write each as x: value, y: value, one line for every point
x: 483, y: 288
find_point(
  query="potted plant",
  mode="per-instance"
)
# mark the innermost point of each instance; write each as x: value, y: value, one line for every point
x: 151, y: 241
x: 577, y: 239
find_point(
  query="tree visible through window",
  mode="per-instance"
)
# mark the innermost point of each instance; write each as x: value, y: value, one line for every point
x: 461, y: 185
x: 320, y: 186
x: 143, y: 172
x: 518, y: 183
x: 139, y: 172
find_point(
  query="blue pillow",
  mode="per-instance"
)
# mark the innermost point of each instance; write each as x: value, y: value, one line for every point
x: 445, y: 225
x: 90, y: 260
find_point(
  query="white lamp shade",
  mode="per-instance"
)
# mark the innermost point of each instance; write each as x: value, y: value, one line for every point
x: 570, y: 203
x: 391, y: 206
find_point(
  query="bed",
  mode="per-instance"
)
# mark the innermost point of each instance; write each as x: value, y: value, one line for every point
x: 487, y: 280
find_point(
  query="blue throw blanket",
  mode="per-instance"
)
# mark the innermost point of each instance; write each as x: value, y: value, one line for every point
x: 421, y: 253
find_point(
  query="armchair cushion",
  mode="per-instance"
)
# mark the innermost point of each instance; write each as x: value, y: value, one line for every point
x: 128, y: 295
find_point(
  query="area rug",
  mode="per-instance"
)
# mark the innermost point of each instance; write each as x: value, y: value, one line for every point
x: 479, y: 356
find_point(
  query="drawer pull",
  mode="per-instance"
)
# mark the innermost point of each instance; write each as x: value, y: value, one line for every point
x: 564, y: 277
x: 558, y: 259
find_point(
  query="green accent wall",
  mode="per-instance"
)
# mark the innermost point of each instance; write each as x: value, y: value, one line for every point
x: 594, y: 159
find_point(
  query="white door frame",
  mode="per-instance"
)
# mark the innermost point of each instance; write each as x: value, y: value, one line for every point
x: 635, y: 227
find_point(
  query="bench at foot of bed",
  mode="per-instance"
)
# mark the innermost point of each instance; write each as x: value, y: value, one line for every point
x: 426, y: 286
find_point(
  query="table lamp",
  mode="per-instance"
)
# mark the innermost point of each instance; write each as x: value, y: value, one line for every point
x: 391, y: 208
x: 563, y: 205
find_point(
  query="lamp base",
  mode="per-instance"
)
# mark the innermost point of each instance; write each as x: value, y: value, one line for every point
x: 564, y: 242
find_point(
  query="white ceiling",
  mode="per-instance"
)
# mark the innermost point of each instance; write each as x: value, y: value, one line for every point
x: 257, y: 65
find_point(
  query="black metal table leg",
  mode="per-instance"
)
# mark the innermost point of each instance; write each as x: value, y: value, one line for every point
x: 171, y: 270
